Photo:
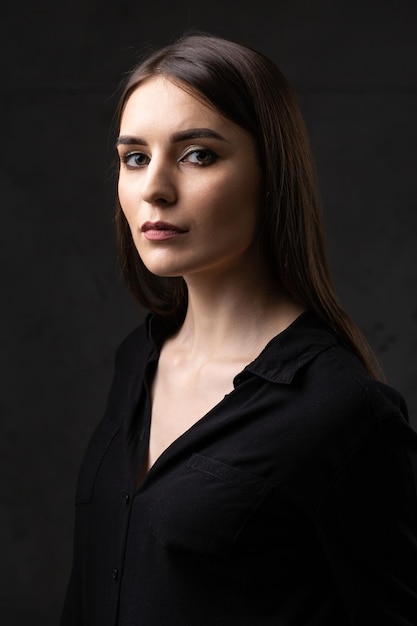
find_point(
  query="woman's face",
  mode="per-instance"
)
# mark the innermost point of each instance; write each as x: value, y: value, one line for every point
x: 189, y: 183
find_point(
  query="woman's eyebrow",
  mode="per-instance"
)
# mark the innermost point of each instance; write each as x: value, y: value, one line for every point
x: 128, y: 140
x: 182, y: 135
x: 195, y: 133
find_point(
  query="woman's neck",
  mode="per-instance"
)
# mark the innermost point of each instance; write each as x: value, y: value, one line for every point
x: 225, y: 317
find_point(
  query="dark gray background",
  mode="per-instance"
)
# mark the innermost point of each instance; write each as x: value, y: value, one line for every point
x: 65, y: 309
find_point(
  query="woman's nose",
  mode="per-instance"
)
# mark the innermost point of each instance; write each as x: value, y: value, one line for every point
x: 159, y: 186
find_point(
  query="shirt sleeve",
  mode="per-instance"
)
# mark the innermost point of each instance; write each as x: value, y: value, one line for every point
x: 367, y: 525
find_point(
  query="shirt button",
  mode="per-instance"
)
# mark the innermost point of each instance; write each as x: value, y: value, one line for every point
x: 115, y: 574
x: 127, y: 499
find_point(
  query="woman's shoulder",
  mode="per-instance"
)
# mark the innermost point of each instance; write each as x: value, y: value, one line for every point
x: 351, y: 410
x: 346, y: 415
x: 344, y: 377
x: 328, y: 378
x: 336, y: 402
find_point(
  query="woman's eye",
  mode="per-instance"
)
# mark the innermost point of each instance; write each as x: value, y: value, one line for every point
x: 135, y: 159
x: 202, y: 156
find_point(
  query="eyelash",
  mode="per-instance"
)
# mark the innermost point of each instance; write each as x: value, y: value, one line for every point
x: 212, y: 157
x: 126, y: 159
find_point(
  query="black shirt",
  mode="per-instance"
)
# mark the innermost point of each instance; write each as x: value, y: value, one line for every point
x: 291, y: 503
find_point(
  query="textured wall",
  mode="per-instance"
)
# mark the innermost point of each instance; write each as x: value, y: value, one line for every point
x: 65, y: 309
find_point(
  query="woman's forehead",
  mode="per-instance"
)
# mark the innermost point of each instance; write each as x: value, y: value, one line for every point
x: 161, y: 101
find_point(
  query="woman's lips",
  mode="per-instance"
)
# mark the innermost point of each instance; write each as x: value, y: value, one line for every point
x: 159, y: 231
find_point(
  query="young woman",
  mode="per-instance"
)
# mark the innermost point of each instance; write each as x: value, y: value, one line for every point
x: 251, y: 468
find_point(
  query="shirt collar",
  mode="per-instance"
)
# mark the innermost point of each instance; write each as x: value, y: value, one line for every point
x: 159, y: 327
x: 293, y: 348
x: 283, y: 355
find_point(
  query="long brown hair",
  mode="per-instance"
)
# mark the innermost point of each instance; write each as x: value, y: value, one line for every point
x: 248, y: 88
